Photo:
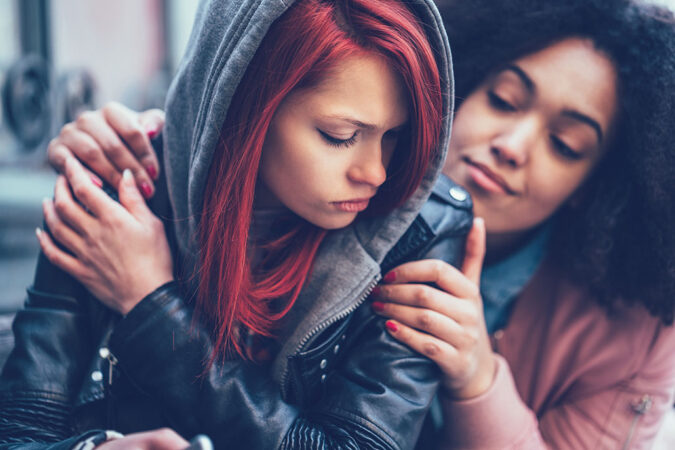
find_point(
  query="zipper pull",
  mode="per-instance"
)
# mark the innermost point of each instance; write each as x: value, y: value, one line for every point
x: 112, y: 362
x: 639, y: 407
x: 105, y: 353
x: 643, y: 405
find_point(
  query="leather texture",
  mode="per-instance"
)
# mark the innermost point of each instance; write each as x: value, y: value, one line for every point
x: 350, y: 386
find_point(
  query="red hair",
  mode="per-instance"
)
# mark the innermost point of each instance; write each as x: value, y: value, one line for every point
x: 299, y: 49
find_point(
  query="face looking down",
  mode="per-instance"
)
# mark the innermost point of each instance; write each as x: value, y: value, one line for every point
x: 526, y: 138
x: 328, y: 147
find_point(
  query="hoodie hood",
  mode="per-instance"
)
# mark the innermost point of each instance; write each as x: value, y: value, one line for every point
x: 225, y: 36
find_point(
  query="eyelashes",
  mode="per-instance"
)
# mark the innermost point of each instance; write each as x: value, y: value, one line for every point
x: 335, y: 142
x: 558, y: 144
x: 565, y: 150
x: 499, y: 103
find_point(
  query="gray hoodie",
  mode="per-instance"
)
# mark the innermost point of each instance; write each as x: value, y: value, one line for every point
x: 224, y: 39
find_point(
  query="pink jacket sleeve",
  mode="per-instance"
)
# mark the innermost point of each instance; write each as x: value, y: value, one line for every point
x: 625, y: 415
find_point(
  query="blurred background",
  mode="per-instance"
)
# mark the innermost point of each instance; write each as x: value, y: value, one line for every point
x: 57, y: 59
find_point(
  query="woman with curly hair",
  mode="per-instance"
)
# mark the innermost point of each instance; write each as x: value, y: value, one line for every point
x: 563, y: 136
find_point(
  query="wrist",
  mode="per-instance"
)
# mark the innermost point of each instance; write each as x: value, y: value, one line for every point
x: 146, y: 289
x: 480, y: 383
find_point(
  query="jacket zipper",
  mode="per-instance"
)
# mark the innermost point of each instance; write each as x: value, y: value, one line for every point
x: 325, y: 324
x: 640, y: 408
x: 112, y: 362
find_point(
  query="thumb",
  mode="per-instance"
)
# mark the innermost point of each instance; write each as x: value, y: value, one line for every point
x: 130, y: 196
x: 474, y: 252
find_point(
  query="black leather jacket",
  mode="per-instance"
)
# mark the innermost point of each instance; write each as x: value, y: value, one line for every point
x: 76, y: 366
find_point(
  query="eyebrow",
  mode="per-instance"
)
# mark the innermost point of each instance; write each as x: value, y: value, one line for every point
x: 524, y: 78
x: 358, y: 123
x: 585, y: 119
x: 363, y: 125
x: 572, y: 114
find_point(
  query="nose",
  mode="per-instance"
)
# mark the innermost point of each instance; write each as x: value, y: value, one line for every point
x: 369, y: 168
x: 512, y: 146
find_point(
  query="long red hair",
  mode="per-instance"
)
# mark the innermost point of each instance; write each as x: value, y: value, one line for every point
x: 299, y: 49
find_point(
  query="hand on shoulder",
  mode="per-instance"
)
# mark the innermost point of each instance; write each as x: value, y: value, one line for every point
x: 437, y: 310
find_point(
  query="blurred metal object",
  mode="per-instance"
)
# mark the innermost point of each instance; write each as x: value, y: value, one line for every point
x: 75, y: 93
x: 26, y: 102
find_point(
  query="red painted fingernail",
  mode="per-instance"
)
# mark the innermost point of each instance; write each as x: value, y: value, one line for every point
x: 152, y: 171
x: 376, y: 291
x: 388, y: 278
x: 96, y: 181
x: 146, y: 189
x: 378, y: 306
x: 152, y: 131
x: 391, y: 326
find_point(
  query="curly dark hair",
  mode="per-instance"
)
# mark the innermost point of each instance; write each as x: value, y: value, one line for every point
x: 618, y: 238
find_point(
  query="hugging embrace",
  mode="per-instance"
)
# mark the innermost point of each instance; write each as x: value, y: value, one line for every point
x: 307, y: 272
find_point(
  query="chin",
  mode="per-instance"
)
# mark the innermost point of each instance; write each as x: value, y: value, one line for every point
x: 333, y: 223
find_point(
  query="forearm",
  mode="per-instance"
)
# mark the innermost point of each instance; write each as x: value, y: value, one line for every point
x: 46, y: 366
x: 497, y: 419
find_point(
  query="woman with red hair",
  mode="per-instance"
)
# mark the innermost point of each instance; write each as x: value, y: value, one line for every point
x: 301, y: 141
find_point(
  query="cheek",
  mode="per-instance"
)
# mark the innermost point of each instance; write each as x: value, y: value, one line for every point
x: 550, y: 189
x: 294, y: 170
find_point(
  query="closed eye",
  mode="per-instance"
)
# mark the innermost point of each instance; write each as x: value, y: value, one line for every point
x: 565, y: 150
x: 337, y: 142
x: 499, y: 103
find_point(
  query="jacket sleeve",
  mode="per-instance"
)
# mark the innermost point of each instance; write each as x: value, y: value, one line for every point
x: 161, y: 349
x: 46, y: 365
x: 624, y: 415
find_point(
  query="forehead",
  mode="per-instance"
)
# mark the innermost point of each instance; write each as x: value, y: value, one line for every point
x: 575, y: 75
x: 363, y: 87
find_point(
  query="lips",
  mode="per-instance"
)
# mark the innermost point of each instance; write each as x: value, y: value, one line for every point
x: 487, y: 179
x: 356, y: 205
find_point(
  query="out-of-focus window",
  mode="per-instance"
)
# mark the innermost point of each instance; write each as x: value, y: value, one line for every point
x: 10, y: 48
x: 63, y: 57
x: 179, y: 18
x: 9, y: 34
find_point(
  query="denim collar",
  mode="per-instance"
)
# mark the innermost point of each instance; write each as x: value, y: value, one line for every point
x: 502, y: 282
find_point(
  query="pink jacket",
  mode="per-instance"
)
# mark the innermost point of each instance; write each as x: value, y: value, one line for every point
x: 569, y: 376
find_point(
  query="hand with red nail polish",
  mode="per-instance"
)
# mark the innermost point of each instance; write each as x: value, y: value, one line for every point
x: 110, y: 140
x: 445, y: 323
x: 118, y: 251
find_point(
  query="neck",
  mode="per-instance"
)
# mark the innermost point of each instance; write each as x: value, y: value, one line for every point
x: 499, y: 245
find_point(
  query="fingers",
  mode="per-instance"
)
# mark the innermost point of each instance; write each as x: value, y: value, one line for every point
x: 445, y: 276
x: 126, y: 123
x: 417, y: 295
x: 427, y: 307
x: 74, y: 142
x: 428, y: 321
x: 152, y: 121
x: 474, y: 252
x: 162, y: 439
x: 435, y: 349
x: 57, y: 154
x: 67, y: 209
x: 84, y: 190
x: 58, y: 257
x: 62, y: 232
x: 112, y: 151
x: 131, y: 198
